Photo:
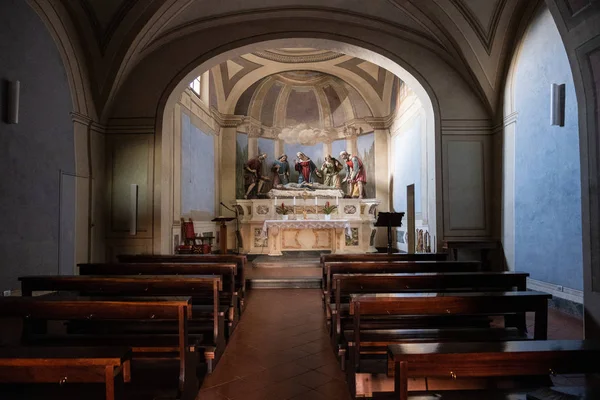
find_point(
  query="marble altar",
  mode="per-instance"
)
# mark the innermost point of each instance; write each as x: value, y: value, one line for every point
x: 351, y: 229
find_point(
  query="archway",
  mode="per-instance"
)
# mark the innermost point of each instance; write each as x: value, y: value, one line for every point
x: 430, y: 129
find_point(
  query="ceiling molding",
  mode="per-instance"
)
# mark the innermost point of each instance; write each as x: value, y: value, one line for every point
x: 102, y: 33
x: 297, y: 59
x: 230, y: 82
x: 378, y: 84
x: 485, y: 36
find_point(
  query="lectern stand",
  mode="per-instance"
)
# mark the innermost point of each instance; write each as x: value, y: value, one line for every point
x: 223, y: 232
x: 389, y: 220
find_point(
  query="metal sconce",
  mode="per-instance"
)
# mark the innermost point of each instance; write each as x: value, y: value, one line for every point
x: 557, y: 105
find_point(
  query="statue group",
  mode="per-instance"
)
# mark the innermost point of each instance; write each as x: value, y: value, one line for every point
x: 309, y: 174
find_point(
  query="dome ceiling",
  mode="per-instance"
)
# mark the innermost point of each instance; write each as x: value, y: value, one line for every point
x: 308, y: 98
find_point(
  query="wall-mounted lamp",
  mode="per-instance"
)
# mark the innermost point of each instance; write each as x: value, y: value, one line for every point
x: 12, y: 102
x: 133, y: 204
x: 557, y: 105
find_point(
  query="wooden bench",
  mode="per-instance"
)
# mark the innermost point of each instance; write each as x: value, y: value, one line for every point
x: 69, y: 307
x: 346, y: 284
x: 515, y: 358
x: 213, y: 343
x: 240, y: 260
x: 227, y: 271
x: 384, y: 257
x: 436, y: 304
x: 391, y: 267
x: 66, y: 365
x: 380, y: 257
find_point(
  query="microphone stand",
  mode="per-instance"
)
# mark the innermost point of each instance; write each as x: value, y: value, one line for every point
x: 237, y: 227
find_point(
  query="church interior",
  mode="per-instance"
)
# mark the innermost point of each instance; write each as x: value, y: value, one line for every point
x: 299, y: 199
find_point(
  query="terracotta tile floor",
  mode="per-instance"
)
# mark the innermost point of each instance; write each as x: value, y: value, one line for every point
x: 281, y: 350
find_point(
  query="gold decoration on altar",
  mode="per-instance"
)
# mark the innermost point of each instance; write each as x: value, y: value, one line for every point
x: 304, y: 197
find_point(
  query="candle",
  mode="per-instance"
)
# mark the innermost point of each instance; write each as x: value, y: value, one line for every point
x: 337, y: 201
x: 316, y: 200
x: 294, y: 200
x: 275, y: 202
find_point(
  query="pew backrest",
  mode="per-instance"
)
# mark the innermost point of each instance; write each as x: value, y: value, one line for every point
x: 85, y: 307
x: 100, y: 286
x: 240, y: 260
x: 394, y: 267
x: 226, y: 271
x: 345, y: 285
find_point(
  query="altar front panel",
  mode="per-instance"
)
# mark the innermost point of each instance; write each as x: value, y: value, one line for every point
x: 306, y: 239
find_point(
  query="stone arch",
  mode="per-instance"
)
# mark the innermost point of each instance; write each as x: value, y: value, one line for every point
x: 424, y: 71
x: 63, y: 33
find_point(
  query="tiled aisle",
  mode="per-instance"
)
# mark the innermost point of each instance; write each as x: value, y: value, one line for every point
x: 281, y: 350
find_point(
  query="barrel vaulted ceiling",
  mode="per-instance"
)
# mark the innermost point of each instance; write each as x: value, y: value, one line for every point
x: 473, y: 36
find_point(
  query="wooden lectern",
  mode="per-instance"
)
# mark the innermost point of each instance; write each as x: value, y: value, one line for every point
x: 389, y: 220
x: 223, y: 232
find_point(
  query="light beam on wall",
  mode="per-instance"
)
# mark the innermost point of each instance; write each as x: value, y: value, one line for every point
x: 557, y: 104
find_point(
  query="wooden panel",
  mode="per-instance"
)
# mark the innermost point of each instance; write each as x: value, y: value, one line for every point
x: 130, y: 161
x: 467, y: 168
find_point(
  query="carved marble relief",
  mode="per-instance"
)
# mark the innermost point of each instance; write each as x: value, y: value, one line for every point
x: 258, y: 240
x: 350, y: 210
x: 352, y: 240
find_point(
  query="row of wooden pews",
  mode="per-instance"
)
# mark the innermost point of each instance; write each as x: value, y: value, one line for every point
x: 438, y: 319
x: 142, y: 308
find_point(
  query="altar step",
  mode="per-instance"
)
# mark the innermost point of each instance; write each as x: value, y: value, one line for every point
x: 284, y: 272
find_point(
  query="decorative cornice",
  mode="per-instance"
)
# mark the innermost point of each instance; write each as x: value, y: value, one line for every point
x: 297, y: 59
x: 80, y: 118
x: 227, y: 120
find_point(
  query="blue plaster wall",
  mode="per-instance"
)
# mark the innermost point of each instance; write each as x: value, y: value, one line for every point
x: 547, y: 169
x: 34, y: 152
x: 198, y: 169
x: 407, y: 163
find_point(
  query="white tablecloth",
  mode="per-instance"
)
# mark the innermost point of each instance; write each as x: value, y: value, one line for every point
x: 306, y: 224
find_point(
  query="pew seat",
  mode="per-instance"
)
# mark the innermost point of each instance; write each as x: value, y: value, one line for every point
x: 141, y: 344
x: 580, y: 393
x: 66, y: 365
x: 374, y: 342
x: 482, y: 359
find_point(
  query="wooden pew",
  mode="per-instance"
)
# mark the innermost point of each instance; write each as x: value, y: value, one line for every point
x: 214, y: 343
x: 384, y: 257
x: 435, y: 304
x: 381, y: 257
x: 240, y: 260
x: 391, y: 267
x: 515, y: 358
x: 227, y: 271
x: 63, y: 307
x: 66, y: 365
x: 346, y: 284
